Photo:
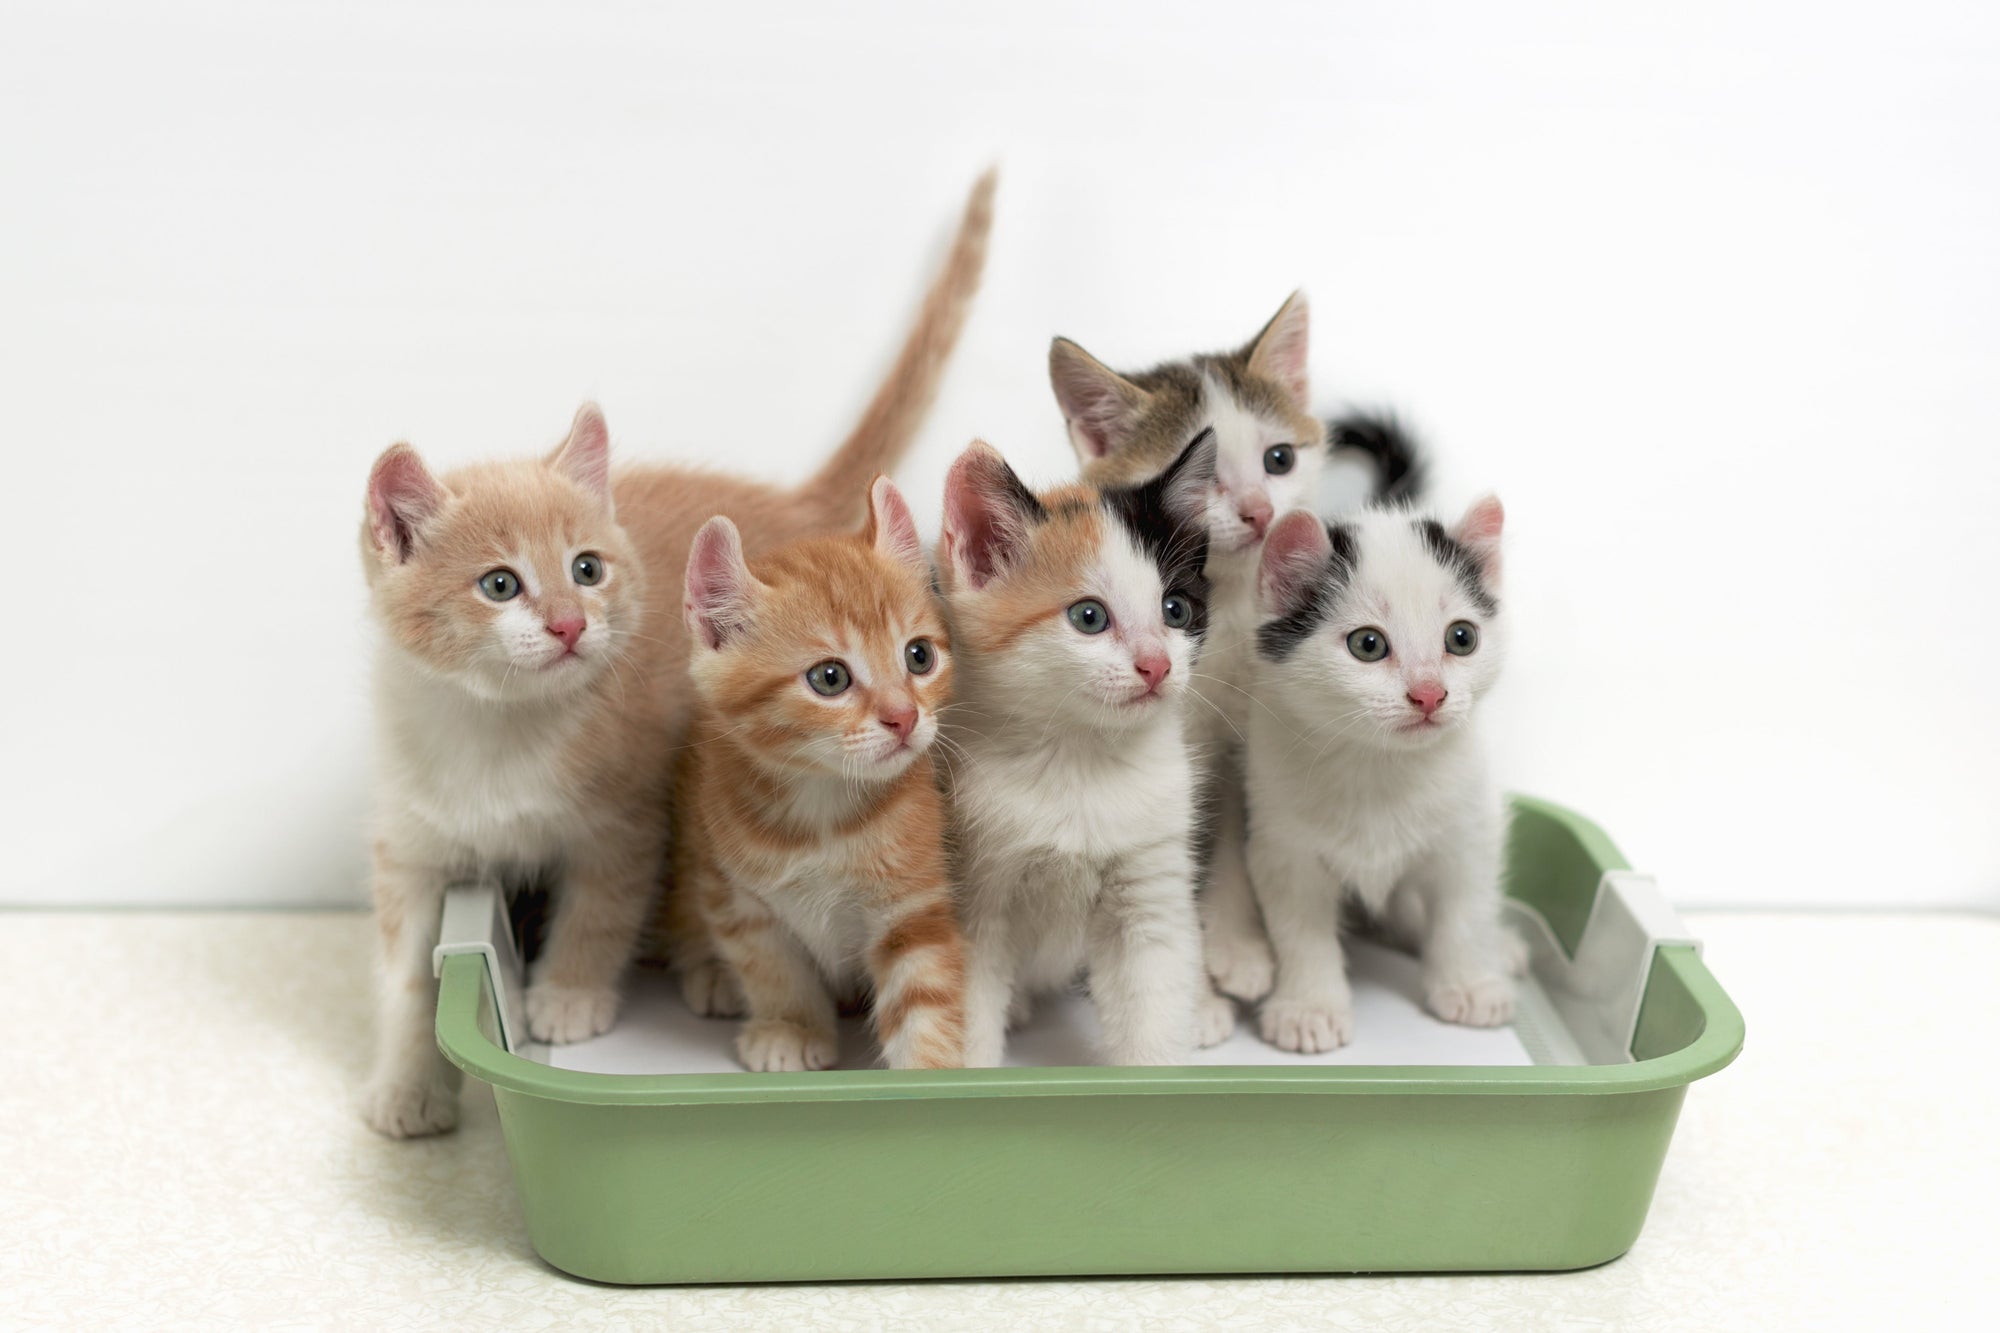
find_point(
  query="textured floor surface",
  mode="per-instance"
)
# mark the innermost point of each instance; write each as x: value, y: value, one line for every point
x: 177, y: 1148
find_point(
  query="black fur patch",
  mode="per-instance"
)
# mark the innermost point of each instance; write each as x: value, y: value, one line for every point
x: 1448, y: 551
x: 1280, y: 638
x: 1400, y: 466
x: 1179, y: 547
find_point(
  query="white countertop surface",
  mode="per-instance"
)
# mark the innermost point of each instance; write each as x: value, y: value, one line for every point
x: 177, y: 1148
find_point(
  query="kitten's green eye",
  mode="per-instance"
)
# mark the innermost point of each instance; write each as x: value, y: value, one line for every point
x: 1090, y: 616
x: 1461, y: 638
x: 829, y: 678
x: 587, y: 569
x: 502, y: 585
x: 1280, y: 459
x: 1178, y: 610
x: 921, y: 656
x: 1369, y: 644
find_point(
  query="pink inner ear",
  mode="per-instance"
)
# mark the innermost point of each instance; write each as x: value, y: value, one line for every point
x: 978, y: 527
x: 585, y: 457
x: 717, y: 582
x: 894, y: 529
x: 1294, y: 552
x: 1280, y: 353
x: 402, y: 494
x: 1096, y: 401
x: 1479, y: 530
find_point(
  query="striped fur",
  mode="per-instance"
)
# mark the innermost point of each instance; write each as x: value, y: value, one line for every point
x: 497, y: 758
x: 811, y: 828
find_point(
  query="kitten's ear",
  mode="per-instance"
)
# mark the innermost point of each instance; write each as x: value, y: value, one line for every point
x: 987, y: 513
x: 1099, y: 405
x: 1184, y: 486
x: 585, y: 456
x: 402, y: 496
x: 1479, y: 533
x: 891, y: 530
x: 1294, y: 554
x: 1279, y: 352
x: 720, y: 586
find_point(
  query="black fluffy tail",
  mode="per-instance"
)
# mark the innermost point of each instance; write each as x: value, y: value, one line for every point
x: 1400, y: 466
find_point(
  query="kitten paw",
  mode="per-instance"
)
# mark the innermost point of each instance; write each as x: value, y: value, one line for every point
x: 1308, y: 1027
x: 409, y: 1110
x: 1214, y: 1020
x: 1482, y: 1002
x: 1243, y: 968
x: 711, y: 990
x: 769, y: 1046
x: 562, y: 1014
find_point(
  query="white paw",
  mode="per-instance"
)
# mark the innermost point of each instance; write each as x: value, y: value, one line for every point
x: 1305, y: 1026
x: 1241, y: 967
x: 772, y: 1045
x: 562, y: 1014
x: 711, y: 990
x: 1214, y: 1020
x: 1480, y: 1002
x: 404, y: 1110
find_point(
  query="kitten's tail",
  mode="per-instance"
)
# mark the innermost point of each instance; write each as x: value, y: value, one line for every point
x: 890, y: 423
x: 1401, y: 469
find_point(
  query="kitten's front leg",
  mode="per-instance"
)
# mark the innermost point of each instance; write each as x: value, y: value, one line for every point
x: 1469, y: 957
x: 1233, y: 944
x: 600, y: 910
x: 791, y: 1023
x: 1312, y: 1008
x: 1145, y: 961
x: 917, y: 963
x: 413, y: 1089
x: 990, y: 996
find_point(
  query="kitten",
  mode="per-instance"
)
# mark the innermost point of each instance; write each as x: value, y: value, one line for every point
x: 1365, y: 778
x: 1077, y: 614
x: 810, y: 827
x: 530, y: 686
x: 1270, y: 451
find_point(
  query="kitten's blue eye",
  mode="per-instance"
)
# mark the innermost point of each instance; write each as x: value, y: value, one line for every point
x: 1090, y: 616
x: 1369, y: 644
x: 921, y: 656
x: 1461, y: 638
x: 1178, y: 610
x: 500, y: 584
x: 829, y: 678
x: 1280, y: 459
x: 587, y: 568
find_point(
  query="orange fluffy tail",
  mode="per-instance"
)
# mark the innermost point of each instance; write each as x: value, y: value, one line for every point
x: 897, y: 410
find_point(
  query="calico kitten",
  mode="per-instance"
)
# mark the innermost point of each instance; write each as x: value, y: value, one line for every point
x: 1077, y: 614
x: 1365, y: 777
x: 810, y: 827
x: 530, y: 687
x: 1269, y: 454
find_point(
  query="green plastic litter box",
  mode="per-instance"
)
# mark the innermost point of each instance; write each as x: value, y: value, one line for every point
x: 1531, y: 1147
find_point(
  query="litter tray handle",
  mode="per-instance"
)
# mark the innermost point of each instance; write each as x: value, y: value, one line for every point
x: 475, y: 921
x: 1629, y: 921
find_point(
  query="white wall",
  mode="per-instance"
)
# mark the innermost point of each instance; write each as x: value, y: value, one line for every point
x: 1708, y: 292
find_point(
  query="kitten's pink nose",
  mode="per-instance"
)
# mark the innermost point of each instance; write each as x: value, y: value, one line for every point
x: 1427, y: 696
x: 569, y: 629
x: 902, y: 720
x: 1255, y: 511
x: 1154, y: 667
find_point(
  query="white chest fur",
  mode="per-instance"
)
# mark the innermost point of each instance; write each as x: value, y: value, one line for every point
x: 482, y: 782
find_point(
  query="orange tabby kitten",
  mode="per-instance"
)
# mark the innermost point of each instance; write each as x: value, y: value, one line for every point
x: 809, y: 829
x: 531, y: 686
